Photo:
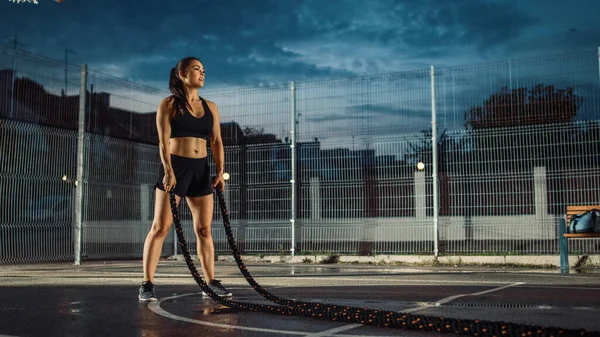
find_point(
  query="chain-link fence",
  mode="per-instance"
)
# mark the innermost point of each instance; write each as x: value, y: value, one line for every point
x: 338, y: 166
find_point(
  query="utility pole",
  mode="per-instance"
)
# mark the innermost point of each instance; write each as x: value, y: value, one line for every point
x: 67, y: 51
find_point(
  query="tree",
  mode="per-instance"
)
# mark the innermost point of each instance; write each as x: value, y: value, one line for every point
x: 538, y: 105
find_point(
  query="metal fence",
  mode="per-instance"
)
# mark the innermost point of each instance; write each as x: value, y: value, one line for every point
x: 324, y: 166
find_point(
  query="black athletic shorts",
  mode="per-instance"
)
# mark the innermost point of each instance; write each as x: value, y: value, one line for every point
x: 192, y: 176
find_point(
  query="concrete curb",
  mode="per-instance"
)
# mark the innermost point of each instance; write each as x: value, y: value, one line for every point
x: 535, y: 261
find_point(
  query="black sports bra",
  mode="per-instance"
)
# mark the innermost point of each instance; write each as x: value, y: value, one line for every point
x: 186, y: 125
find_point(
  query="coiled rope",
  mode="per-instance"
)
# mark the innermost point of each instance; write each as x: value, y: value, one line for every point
x: 359, y: 315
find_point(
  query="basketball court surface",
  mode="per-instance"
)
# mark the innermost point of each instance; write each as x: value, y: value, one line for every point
x: 100, y: 298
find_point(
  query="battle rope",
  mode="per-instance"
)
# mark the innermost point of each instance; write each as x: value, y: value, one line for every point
x: 364, y: 316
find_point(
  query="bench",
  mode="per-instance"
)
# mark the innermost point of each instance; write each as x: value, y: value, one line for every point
x: 564, y: 236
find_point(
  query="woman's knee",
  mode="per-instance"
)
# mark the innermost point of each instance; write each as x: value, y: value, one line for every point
x: 203, y: 232
x: 160, y: 229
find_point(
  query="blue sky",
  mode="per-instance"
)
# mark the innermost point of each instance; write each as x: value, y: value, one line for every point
x: 254, y: 42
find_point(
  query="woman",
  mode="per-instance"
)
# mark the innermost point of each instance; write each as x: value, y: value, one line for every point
x: 185, y: 123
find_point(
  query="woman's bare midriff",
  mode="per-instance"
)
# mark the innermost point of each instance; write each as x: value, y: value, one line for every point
x: 190, y: 147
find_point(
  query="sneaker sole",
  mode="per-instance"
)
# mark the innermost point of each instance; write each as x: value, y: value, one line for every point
x: 146, y: 299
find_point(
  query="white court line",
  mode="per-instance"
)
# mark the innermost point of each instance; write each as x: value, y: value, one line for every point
x: 451, y: 298
x: 496, y: 289
x: 334, y: 331
x: 155, y: 307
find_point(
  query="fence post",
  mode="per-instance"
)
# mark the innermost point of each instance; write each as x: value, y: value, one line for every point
x: 293, y: 178
x: 78, y: 209
x: 12, y: 80
x: 434, y: 169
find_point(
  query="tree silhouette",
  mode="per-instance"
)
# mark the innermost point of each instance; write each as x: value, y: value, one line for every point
x: 568, y: 152
x: 541, y: 104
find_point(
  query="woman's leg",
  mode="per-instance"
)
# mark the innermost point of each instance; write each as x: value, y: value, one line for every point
x: 202, y: 214
x: 202, y: 211
x: 161, y: 224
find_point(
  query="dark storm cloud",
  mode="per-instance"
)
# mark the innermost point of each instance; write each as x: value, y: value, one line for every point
x: 274, y: 41
x: 425, y: 24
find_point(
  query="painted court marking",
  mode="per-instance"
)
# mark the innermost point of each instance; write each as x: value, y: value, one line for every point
x: 334, y: 331
x: 451, y: 298
x: 156, y: 308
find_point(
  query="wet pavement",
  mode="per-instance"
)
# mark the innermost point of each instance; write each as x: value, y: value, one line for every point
x: 100, y: 298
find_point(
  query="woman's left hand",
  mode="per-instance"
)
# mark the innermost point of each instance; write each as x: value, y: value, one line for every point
x: 218, y: 180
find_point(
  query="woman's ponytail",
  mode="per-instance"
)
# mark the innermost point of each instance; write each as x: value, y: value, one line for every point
x: 180, y: 102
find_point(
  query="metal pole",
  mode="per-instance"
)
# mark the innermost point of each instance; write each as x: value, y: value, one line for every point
x: 434, y: 168
x: 13, y: 75
x: 131, y: 119
x: 78, y: 209
x: 293, y: 180
x: 67, y: 51
x: 512, y: 106
x: 598, y: 64
x: 66, y: 63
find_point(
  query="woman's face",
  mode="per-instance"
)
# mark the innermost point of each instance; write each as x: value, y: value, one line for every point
x: 193, y: 75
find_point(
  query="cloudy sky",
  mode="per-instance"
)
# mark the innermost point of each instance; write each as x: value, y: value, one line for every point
x: 249, y: 42
x: 252, y: 43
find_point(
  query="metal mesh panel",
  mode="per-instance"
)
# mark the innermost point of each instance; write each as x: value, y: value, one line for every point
x: 38, y: 115
x: 523, y: 90
x: 38, y: 90
x: 119, y: 198
x: 122, y: 109
x: 517, y: 141
x: 346, y: 111
x: 253, y: 115
x: 122, y: 166
x: 406, y: 237
x: 332, y: 239
x: 357, y: 156
x: 36, y: 183
x: 268, y: 239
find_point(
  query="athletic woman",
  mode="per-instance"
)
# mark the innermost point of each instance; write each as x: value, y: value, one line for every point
x: 186, y: 123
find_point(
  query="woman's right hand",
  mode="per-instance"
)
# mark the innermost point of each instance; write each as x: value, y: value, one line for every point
x: 169, y: 181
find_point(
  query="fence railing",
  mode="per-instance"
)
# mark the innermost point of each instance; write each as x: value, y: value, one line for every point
x: 338, y: 166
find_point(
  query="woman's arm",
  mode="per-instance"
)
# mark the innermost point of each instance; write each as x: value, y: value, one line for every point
x: 216, y: 145
x: 163, y: 126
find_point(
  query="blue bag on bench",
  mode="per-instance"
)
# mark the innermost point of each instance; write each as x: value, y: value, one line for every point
x: 587, y: 222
